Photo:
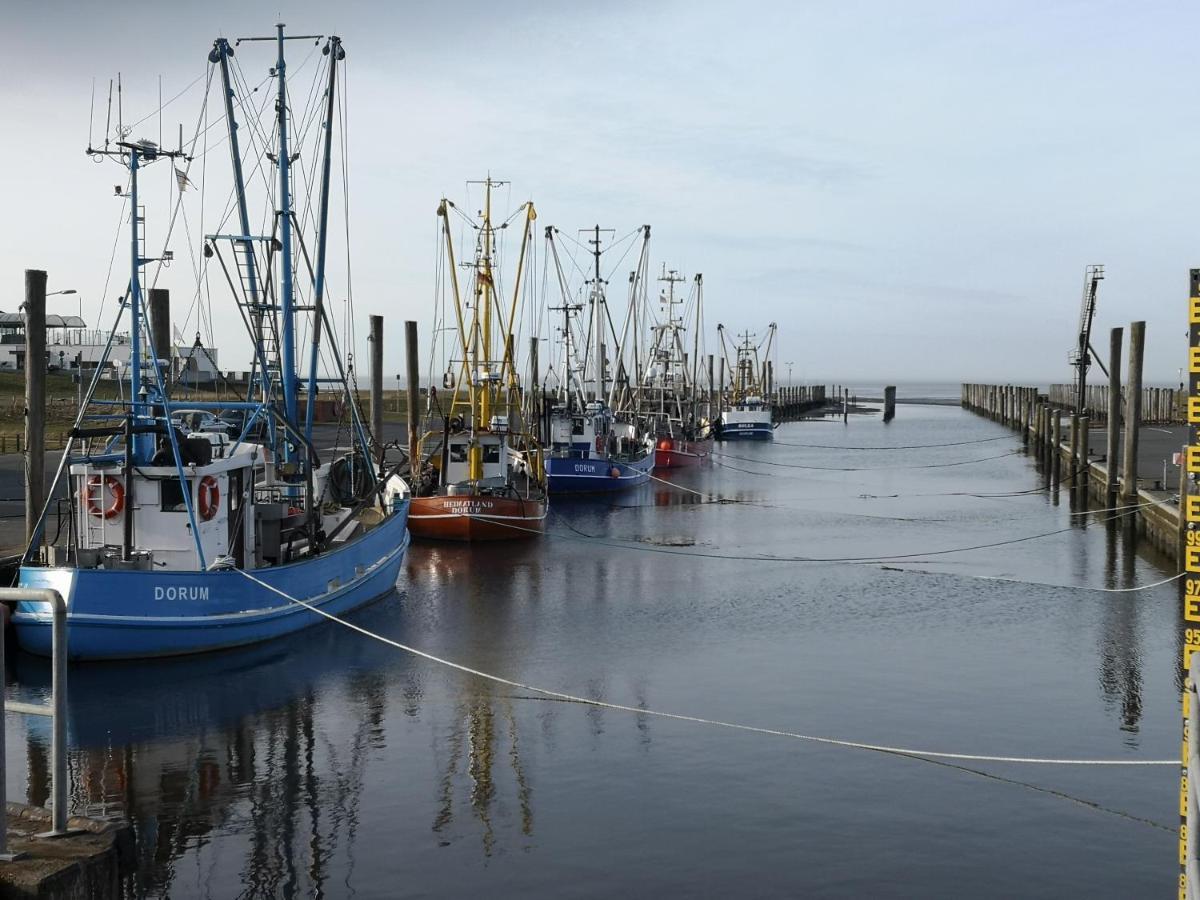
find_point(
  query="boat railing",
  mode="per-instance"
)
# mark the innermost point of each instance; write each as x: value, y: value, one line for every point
x: 56, y: 709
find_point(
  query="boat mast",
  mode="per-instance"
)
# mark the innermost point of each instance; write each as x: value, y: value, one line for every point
x: 598, y: 315
x: 220, y: 54
x: 141, y: 442
x: 287, y: 300
x: 697, y: 324
x: 335, y: 53
x: 483, y: 281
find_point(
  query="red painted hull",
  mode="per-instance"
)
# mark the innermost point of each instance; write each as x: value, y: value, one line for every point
x: 475, y: 517
x: 677, y: 453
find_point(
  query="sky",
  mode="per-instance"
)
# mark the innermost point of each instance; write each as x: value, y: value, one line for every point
x: 911, y: 191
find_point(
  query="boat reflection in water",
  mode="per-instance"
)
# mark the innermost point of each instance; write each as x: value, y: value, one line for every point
x: 254, y: 761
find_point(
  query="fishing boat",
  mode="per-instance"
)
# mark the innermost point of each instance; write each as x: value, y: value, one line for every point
x: 596, y: 444
x: 747, y: 413
x: 181, y: 542
x: 669, y: 396
x: 481, y: 472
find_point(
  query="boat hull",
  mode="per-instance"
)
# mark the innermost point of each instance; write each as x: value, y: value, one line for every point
x: 576, y: 475
x: 678, y: 453
x: 746, y: 425
x: 115, y: 614
x: 476, y: 517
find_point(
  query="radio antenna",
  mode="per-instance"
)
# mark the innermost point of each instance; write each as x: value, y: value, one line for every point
x: 108, y: 117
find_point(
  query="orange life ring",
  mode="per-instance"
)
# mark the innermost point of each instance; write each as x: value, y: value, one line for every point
x: 614, y: 472
x: 93, y: 496
x: 208, y: 497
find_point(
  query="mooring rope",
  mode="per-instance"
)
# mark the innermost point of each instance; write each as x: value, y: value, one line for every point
x: 1048, y: 584
x: 699, y: 720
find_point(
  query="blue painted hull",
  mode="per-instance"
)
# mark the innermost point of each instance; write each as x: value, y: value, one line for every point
x: 125, y: 615
x: 747, y: 432
x: 575, y: 475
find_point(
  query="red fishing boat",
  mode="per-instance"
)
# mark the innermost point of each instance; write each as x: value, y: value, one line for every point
x: 678, y: 452
x: 481, y: 475
x: 476, y: 517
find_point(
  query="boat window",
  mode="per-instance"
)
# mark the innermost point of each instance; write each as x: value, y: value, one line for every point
x: 491, y: 453
x: 170, y: 492
x: 458, y: 453
x: 577, y: 426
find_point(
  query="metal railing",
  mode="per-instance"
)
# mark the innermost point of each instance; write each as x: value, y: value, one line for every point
x: 56, y: 710
x: 1191, y: 750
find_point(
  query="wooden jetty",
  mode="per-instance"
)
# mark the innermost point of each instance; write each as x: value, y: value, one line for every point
x: 1120, y: 466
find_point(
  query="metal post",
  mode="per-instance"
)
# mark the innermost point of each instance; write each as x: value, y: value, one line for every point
x: 35, y: 399
x: 376, y: 340
x: 1133, y: 410
x: 1192, y: 772
x: 57, y: 709
x: 414, y: 393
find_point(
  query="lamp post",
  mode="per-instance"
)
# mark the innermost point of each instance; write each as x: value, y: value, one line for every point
x: 789, y: 365
x: 69, y: 291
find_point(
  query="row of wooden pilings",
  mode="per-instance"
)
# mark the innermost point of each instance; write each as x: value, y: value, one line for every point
x: 1039, y: 419
x: 792, y: 401
x: 1160, y: 406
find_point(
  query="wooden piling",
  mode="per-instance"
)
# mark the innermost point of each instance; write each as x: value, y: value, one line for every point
x: 35, y: 399
x: 713, y: 408
x: 412, y: 363
x: 376, y: 340
x: 1055, y: 444
x: 1133, y: 411
x: 160, y: 331
x: 889, y: 403
x: 1113, y: 426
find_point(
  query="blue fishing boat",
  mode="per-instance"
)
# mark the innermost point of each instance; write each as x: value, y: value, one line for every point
x: 595, y: 442
x: 181, y: 541
x: 747, y: 413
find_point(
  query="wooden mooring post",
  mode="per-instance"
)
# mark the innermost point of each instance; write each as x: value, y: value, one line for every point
x: 1113, y: 425
x: 35, y: 399
x: 376, y: 340
x: 412, y: 362
x: 1133, y: 412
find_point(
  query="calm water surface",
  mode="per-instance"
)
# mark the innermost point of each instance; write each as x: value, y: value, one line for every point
x: 332, y: 764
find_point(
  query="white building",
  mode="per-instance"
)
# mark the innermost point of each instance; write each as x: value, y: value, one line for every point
x: 71, y: 345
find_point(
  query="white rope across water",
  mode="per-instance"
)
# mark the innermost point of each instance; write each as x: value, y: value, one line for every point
x: 637, y: 710
x: 1049, y: 584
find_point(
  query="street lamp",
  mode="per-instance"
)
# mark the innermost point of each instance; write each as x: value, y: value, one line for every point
x: 69, y: 291
x: 789, y: 365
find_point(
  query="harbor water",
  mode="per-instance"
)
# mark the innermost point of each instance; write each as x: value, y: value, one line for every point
x: 800, y: 585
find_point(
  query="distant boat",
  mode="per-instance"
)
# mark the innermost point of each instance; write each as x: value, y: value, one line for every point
x: 180, y: 541
x: 669, y: 394
x: 484, y: 479
x: 595, y: 444
x: 747, y: 413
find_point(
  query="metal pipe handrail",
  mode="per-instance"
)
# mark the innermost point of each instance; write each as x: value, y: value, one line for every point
x: 1192, y: 768
x: 56, y: 710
